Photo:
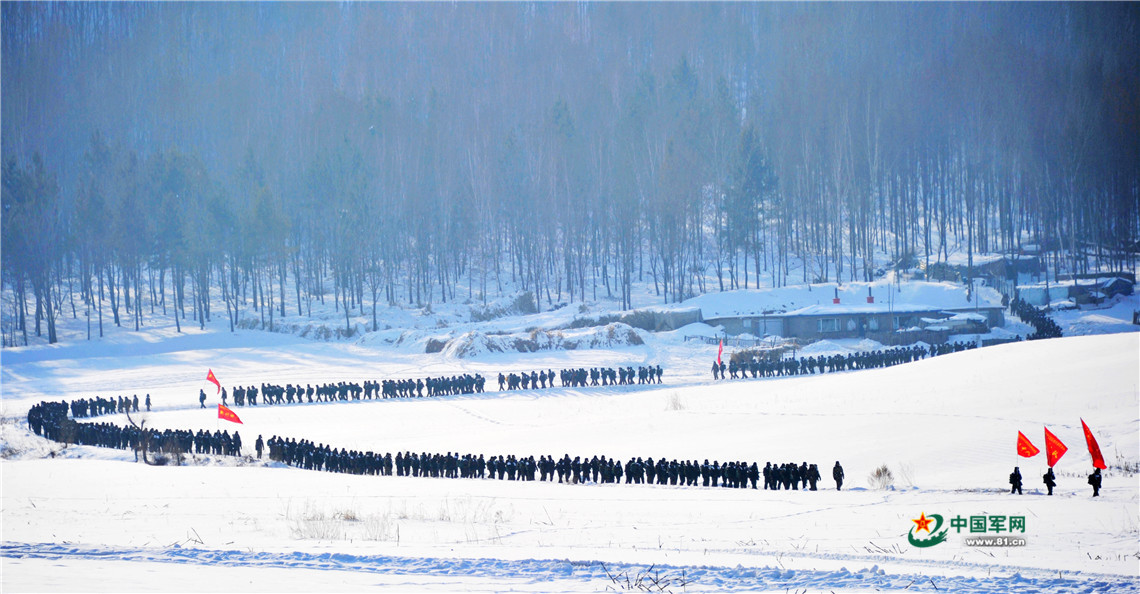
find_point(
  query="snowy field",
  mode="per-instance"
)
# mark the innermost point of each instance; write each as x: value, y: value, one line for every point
x: 90, y: 519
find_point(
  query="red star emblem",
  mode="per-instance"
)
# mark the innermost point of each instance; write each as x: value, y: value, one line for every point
x: 923, y: 523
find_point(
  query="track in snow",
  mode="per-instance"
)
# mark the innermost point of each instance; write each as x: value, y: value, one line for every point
x: 585, y: 573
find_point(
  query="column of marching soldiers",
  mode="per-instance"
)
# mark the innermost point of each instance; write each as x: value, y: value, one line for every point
x: 759, y: 367
x: 601, y: 470
x: 50, y: 420
x: 438, y: 386
x: 1044, y: 325
x: 271, y: 394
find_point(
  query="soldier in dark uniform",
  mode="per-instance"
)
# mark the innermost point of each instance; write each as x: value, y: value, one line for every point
x: 259, y: 446
x: 715, y: 370
x: 202, y: 398
x: 1094, y: 480
x: 837, y: 474
x: 1015, y: 481
x: 1050, y: 480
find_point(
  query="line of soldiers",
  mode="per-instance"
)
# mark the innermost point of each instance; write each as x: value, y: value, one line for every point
x: 406, y: 388
x: 97, y: 405
x: 439, y: 386
x: 1045, y: 326
x: 581, y: 377
x: 272, y: 394
x: 49, y: 419
x: 833, y: 363
x: 602, y: 470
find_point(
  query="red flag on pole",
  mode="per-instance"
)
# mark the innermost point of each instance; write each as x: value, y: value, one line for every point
x: 1054, y: 449
x: 719, y: 350
x: 210, y: 378
x: 1094, y: 448
x: 1025, y: 448
x: 227, y: 414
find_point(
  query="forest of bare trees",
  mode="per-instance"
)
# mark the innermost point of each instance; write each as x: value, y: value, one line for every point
x: 198, y: 159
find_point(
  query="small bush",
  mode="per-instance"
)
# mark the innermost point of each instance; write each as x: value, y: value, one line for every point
x: 881, y: 478
x: 525, y: 346
x: 348, y: 515
x: 314, y: 524
x: 525, y: 303
x: 379, y: 528
x: 759, y: 354
x: 577, y: 323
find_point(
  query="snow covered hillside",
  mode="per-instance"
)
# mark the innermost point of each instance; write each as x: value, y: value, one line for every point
x: 93, y: 519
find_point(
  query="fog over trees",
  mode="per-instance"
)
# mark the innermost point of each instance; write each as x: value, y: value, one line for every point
x: 196, y: 159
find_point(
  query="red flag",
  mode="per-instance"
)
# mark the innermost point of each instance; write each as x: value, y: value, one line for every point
x: 719, y: 351
x: 227, y: 414
x: 1025, y: 448
x: 210, y: 378
x: 1094, y: 449
x: 1054, y: 449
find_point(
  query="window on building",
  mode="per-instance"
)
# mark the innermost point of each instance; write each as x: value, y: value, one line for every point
x: 747, y: 322
x: 828, y: 325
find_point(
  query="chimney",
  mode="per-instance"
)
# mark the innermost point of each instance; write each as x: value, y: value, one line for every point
x: 836, y: 300
x: 870, y: 298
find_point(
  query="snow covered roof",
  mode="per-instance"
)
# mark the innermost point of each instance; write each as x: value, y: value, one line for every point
x: 1100, y: 281
x: 968, y: 317
x: 861, y: 308
x: 963, y: 259
x: 918, y: 295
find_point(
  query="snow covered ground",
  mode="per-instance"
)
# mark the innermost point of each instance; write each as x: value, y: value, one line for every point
x: 91, y: 519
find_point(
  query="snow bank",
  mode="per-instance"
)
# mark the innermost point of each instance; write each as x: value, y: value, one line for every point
x: 823, y: 347
x: 1089, y: 324
x: 473, y: 344
x: 841, y: 346
x: 919, y: 294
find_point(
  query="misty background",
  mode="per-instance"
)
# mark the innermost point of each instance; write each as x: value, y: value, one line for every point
x: 188, y: 158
